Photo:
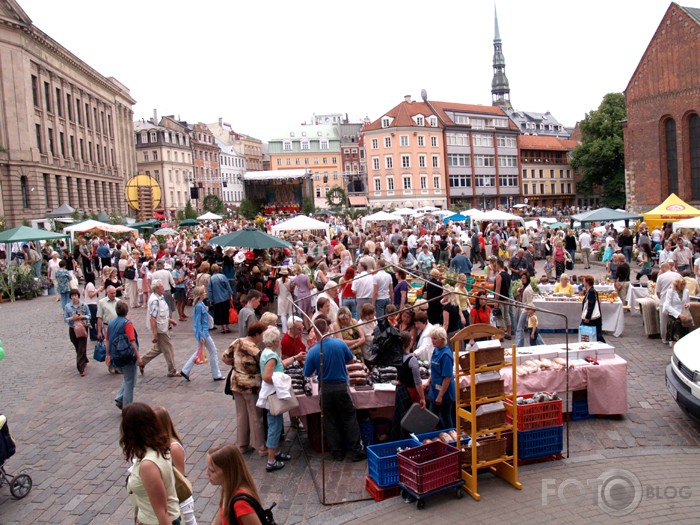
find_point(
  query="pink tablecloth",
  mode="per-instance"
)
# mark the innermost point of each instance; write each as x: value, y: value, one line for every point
x: 606, y: 384
x: 365, y: 399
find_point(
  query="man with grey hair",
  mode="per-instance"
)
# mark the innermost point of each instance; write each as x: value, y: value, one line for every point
x: 330, y: 292
x: 292, y: 342
x: 106, y: 312
x: 166, y: 279
x: 383, y: 285
x: 160, y: 322
x: 363, y: 286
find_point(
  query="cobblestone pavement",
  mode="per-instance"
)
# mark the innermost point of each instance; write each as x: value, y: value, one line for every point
x: 67, y: 433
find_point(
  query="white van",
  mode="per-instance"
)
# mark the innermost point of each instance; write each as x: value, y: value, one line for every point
x: 683, y: 374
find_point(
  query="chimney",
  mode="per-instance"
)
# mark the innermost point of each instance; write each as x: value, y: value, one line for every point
x: 407, y: 98
x: 155, y: 116
x: 221, y: 122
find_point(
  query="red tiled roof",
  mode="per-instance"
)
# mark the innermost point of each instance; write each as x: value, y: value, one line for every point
x: 402, y: 115
x: 544, y: 142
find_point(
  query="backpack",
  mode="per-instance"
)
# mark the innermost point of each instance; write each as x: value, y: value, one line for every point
x: 264, y: 515
x: 387, y: 346
x: 121, y: 352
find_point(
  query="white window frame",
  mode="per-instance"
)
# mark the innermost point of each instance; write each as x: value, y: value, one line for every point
x: 375, y: 144
x: 323, y: 144
x: 421, y: 161
x: 421, y: 141
x: 386, y: 122
x: 375, y: 163
x: 287, y: 145
x: 420, y: 121
x: 436, y: 182
x: 390, y: 183
x: 403, y: 141
x: 433, y: 142
x: 405, y: 161
x: 436, y: 161
x: 389, y: 162
x: 377, y: 184
x: 305, y: 145
x: 387, y: 142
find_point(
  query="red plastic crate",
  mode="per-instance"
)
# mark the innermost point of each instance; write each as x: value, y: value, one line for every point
x: 428, y: 467
x: 537, y: 415
x: 378, y: 493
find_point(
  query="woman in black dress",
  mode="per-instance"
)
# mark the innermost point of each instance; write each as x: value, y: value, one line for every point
x: 114, y: 280
x: 591, y: 314
x: 433, y: 292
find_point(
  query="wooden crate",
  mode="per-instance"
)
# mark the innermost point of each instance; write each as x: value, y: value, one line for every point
x: 485, y: 357
x: 485, y: 389
x: 493, y: 419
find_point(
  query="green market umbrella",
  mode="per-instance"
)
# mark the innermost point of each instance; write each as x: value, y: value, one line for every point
x: 249, y: 238
x: 189, y: 222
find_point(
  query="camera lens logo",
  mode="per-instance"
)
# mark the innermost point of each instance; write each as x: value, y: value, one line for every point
x: 619, y: 492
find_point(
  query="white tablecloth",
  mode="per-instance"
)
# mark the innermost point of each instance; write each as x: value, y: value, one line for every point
x: 634, y: 293
x: 613, y: 315
x: 549, y: 288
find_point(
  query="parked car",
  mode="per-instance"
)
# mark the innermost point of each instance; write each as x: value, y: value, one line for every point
x: 683, y: 374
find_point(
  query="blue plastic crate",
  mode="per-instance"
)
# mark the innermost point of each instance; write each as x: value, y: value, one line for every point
x: 383, y: 463
x: 540, y: 442
x: 367, y: 432
x: 433, y: 435
x: 579, y: 410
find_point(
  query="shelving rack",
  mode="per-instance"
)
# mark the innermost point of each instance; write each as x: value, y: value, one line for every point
x: 503, y: 465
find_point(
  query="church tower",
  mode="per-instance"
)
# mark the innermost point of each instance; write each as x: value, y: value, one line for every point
x: 500, y: 91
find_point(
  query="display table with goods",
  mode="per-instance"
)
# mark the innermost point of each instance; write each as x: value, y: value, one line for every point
x: 481, y: 409
x: 610, y: 305
x: 549, y: 288
x: 634, y: 294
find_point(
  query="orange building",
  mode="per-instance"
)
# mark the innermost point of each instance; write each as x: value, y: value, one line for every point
x: 547, y: 176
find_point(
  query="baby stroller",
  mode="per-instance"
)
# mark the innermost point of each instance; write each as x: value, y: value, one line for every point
x: 21, y: 484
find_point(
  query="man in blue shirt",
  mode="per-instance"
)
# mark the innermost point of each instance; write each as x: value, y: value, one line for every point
x: 461, y: 263
x: 104, y: 253
x: 339, y: 415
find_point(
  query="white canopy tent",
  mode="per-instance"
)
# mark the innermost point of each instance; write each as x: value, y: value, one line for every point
x: 209, y: 216
x: 93, y: 225
x: 443, y: 213
x: 473, y: 214
x: 692, y: 224
x: 404, y: 212
x: 500, y: 216
x: 426, y: 209
x: 302, y: 223
x: 381, y: 216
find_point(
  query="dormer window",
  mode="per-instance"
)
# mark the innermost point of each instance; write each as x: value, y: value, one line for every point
x: 386, y: 122
x: 291, y: 133
x: 323, y: 144
x: 420, y: 121
x: 305, y: 145
x: 433, y: 121
x: 287, y: 145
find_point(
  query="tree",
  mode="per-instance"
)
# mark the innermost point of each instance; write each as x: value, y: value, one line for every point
x: 213, y: 203
x: 248, y: 209
x: 307, y: 205
x: 190, y: 212
x: 601, y: 155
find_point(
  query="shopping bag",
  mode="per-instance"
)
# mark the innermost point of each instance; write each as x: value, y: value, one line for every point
x: 587, y: 334
x: 202, y: 356
x: 100, y: 352
x: 232, y: 315
x: 280, y: 406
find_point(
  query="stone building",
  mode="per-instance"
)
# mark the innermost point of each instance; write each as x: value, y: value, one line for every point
x: 662, y: 132
x: 250, y: 147
x: 66, y: 131
x: 207, y: 174
x: 164, y: 152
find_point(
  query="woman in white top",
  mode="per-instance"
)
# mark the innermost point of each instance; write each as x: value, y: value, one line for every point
x: 284, y: 296
x: 91, y: 299
x: 151, y: 484
x: 51, y: 273
x: 177, y: 452
x: 675, y: 301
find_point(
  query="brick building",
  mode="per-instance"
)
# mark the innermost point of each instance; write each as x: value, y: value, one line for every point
x: 662, y: 132
x: 207, y: 175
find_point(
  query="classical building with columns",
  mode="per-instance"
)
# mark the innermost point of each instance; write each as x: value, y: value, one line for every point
x: 66, y: 131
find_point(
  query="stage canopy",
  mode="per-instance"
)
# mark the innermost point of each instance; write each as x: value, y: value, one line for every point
x: 209, y: 216
x: 671, y: 210
x: 302, y: 223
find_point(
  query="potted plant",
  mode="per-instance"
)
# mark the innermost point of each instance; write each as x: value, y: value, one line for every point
x: 45, y: 283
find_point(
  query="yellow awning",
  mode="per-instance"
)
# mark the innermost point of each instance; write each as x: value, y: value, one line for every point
x: 671, y: 210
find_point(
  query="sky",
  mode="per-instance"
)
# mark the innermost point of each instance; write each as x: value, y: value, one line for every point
x: 267, y: 66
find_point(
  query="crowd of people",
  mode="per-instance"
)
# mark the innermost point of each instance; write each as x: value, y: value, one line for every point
x: 355, y: 293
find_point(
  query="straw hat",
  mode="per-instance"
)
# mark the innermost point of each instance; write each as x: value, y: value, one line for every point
x: 284, y: 271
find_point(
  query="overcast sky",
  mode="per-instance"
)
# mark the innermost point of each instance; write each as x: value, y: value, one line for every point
x: 266, y: 66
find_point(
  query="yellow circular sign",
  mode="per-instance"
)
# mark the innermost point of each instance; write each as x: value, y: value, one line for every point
x: 139, y: 184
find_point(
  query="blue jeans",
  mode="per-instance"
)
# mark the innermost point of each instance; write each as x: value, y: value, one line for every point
x: 275, y: 425
x: 65, y: 299
x: 126, y: 392
x: 351, y: 304
x: 573, y: 257
x: 213, y: 359
x: 380, y: 307
x: 627, y: 251
x: 37, y: 268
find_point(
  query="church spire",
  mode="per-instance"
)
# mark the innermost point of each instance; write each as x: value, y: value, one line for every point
x: 500, y: 90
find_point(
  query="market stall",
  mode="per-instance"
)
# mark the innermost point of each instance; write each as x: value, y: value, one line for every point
x: 549, y: 288
x: 611, y: 312
x: 671, y: 210
x: 634, y: 294
x: 380, y: 397
x: 303, y: 223
x: 381, y: 216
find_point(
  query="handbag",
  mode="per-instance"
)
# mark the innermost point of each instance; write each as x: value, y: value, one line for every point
x: 130, y: 273
x: 232, y: 315
x: 100, y: 352
x: 79, y: 329
x: 688, y: 321
x: 202, y: 357
x: 183, y: 486
x: 280, y: 406
x: 210, y: 319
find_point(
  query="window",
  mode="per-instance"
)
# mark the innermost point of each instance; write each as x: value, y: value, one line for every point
x: 35, y: 90
x: 481, y: 161
x: 325, y: 160
x: 390, y: 183
x: 485, y: 181
x: 542, y: 189
x: 506, y: 141
x: 421, y: 161
x: 534, y: 189
x: 25, y: 191
x: 334, y: 160
x: 69, y: 107
x: 561, y: 174
x: 386, y: 122
x: 59, y: 102
x: 306, y: 161
x: 62, y: 144
x: 461, y: 119
x: 82, y: 150
x: 145, y: 156
x: 297, y: 161
x: 421, y: 141
x: 87, y: 114
x: 423, y: 182
x: 671, y: 156
x: 694, y: 146
x: 568, y: 187
x: 335, y: 175
x: 72, y: 146
x: 483, y: 140
x: 51, y: 144
x: 500, y: 122
x: 436, y: 161
x: 562, y: 188
x: 407, y: 183
x: 155, y: 155
x: 508, y: 181
x: 387, y: 142
x: 388, y: 162
x: 551, y: 174
x: 433, y: 121
x: 39, y: 142
x: 525, y: 188
x: 287, y: 145
x: 433, y: 142
x: 327, y: 189
x: 315, y: 160
x: 458, y: 160
x: 77, y: 111
x: 317, y: 176
x: 375, y: 144
x: 478, y: 123
x: 47, y: 96
x: 460, y: 181
x: 405, y: 161
x: 377, y: 184
x: 420, y: 121
x: 404, y: 140
x: 436, y: 182
x: 508, y: 161
x: 318, y: 192
x: 458, y: 139
x: 305, y: 145
x: 153, y: 135
x: 541, y: 174
x: 47, y: 190
x: 375, y: 163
